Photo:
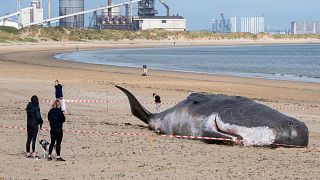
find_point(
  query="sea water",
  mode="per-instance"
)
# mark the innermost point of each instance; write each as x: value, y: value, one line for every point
x: 300, y: 62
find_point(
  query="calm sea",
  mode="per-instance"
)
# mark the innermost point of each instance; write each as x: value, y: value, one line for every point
x: 282, y: 62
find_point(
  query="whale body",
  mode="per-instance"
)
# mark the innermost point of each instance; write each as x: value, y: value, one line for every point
x: 228, y: 117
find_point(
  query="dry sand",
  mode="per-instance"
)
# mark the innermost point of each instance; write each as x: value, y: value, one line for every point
x: 26, y: 70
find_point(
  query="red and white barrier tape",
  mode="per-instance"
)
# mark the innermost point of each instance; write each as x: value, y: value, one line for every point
x: 199, y: 137
x: 235, y: 141
x: 88, y: 101
x: 79, y: 131
x: 70, y: 101
x: 166, y: 103
x: 163, y: 135
x: 297, y: 109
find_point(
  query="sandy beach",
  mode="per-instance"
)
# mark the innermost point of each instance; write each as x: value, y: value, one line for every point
x: 30, y: 69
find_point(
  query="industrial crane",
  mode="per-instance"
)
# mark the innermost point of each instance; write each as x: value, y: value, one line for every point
x: 146, y: 8
x: 226, y: 27
x: 167, y: 7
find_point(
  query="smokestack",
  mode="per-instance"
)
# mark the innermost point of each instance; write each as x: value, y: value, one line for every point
x: 49, y: 10
x: 18, y: 5
x: 109, y: 10
x: 49, y: 13
x: 165, y: 5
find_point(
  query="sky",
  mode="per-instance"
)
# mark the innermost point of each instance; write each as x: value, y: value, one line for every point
x: 199, y: 13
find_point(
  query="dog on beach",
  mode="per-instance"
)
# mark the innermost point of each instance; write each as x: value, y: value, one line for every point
x: 45, y: 146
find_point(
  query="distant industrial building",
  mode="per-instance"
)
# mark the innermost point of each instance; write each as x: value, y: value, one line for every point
x: 170, y: 23
x: 305, y: 27
x: 217, y: 26
x: 9, y: 23
x: 108, y: 16
x: 31, y: 14
x: 113, y: 19
x: 224, y: 25
x: 70, y: 7
x: 145, y: 20
x: 253, y: 25
x: 233, y: 24
x: 24, y: 16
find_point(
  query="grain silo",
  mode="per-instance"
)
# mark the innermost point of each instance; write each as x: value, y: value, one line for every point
x: 69, y: 7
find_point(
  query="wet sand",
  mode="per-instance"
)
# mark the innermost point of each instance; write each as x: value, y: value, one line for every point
x: 30, y: 69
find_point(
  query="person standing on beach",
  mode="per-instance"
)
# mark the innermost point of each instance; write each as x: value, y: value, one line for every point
x: 34, y: 122
x: 157, y: 100
x: 56, y: 119
x: 59, y: 95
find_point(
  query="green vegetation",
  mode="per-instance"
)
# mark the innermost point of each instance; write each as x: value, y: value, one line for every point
x: 8, y: 29
x: 38, y: 34
x: 298, y: 36
x: 6, y: 37
x: 30, y: 40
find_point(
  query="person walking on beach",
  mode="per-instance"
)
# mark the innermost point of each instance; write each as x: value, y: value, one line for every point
x: 157, y: 100
x: 34, y: 122
x: 56, y: 119
x: 59, y: 95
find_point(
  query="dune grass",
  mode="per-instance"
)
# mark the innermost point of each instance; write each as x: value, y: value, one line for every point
x: 11, y: 30
x: 70, y: 34
x: 6, y: 37
x: 61, y: 34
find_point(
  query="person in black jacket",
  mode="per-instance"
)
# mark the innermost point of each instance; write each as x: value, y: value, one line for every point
x: 59, y: 95
x: 157, y: 100
x: 34, y: 120
x: 58, y: 87
x: 56, y: 119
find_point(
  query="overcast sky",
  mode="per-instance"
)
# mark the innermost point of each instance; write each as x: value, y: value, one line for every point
x: 199, y: 13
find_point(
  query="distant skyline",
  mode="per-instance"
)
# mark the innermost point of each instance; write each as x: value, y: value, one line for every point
x: 199, y: 13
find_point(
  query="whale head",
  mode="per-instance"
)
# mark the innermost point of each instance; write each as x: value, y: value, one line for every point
x: 292, y: 133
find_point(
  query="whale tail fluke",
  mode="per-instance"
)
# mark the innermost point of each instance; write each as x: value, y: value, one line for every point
x: 136, y: 108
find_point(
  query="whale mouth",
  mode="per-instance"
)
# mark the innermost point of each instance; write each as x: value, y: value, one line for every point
x: 229, y: 133
x: 293, y: 135
x: 249, y: 136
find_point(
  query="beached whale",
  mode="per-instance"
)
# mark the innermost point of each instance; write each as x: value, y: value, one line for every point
x: 228, y: 117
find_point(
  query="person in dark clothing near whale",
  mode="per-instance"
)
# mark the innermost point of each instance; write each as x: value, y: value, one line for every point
x: 157, y: 100
x: 56, y: 119
x: 58, y: 88
x: 59, y: 95
x: 34, y: 122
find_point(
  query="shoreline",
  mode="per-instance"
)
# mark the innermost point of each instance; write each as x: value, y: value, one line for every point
x: 48, y: 52
x: 273, y: 76
x: 205, y: 73
x: 178, y: 43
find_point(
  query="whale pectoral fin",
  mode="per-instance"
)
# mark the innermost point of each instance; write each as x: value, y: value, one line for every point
x: 216, y: 134
x: 197, y: 98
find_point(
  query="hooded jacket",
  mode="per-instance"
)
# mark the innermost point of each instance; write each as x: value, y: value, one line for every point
x: 56, y: 118
x: 33, y: 115
x: 58, y: 91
